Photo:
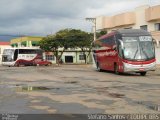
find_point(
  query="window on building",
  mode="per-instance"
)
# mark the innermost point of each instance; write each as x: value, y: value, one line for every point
x: 81, y: 57
x: 144, y: 27
x: 50, y: 57
x: 157, y: 26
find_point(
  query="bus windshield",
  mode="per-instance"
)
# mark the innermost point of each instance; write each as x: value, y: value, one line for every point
x: 8, y: 55
x: 138, y: 48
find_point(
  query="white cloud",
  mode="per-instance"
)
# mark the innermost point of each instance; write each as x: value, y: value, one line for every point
x: 42, y: 17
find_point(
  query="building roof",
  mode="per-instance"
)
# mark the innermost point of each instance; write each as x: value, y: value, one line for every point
x: 26, y: 38
x: 4, y: 43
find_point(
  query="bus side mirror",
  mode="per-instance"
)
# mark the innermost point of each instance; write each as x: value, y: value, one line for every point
x: 114, y: 47
x: 121, y: 42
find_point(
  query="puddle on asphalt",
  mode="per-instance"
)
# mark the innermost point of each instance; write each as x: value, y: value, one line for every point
x: 72, y: 77
x: 33, y: 88
x: 116, y: 95
x: 149, y: 105
x: 71, y: 82
x: 106, y: 102
x: 111, y: 81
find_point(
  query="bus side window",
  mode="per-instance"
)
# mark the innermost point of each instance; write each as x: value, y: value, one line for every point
x: 109, y: 41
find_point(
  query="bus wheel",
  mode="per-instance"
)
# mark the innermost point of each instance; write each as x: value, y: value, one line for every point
x: 143, y: 73
x: 116, y: 69
x: 49, y: 64
x: 16, y: 64
x: 98, y: 68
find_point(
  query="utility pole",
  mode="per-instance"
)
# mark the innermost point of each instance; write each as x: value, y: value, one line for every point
x: 93, y: 20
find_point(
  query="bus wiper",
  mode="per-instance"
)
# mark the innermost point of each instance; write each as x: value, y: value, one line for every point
x: 135, y: 53
x: 145, y: 53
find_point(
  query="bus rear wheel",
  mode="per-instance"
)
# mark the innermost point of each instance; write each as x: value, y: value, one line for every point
x: 98, y: 68
x: 143, y: 73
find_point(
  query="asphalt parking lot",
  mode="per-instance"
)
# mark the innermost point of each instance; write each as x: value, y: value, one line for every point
x: 77, y: 89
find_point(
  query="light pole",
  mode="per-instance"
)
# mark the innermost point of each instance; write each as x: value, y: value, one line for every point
x: 93, y: 20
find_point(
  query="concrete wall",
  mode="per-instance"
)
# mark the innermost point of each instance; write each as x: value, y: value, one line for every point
x: 140, y: 17
x: 143, y: 15
x: 123, y: 19
x: 153, y: 13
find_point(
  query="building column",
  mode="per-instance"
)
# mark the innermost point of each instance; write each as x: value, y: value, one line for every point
x: 30, y: 44
x: 19, y: 44
x: 157, y: 43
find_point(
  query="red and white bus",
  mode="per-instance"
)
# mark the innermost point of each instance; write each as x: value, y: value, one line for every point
x: 126, y: 50
x: 23, y: 56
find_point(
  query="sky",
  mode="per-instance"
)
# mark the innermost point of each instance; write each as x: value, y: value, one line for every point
x: 44, y: 17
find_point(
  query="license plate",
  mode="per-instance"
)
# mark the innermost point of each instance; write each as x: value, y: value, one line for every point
x: 141, y: 69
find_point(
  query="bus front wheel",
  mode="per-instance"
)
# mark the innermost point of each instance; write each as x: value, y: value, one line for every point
x: 116, y: 69
x: 143, y: 73
x: 17, y: 64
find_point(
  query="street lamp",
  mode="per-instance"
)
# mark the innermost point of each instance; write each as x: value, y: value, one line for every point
x: 93, y: 20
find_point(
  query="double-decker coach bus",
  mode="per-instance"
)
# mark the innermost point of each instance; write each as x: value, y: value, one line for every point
x: 125, y: 50
x: 23, y: 56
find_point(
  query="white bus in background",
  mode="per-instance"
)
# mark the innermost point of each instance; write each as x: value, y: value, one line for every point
x: 23, y: 56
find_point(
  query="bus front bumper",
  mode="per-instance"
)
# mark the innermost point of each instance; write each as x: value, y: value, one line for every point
x: 8, y: 63
x: 139, y: 68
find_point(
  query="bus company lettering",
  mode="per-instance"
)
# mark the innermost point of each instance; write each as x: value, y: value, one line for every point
x: 22, y: 56
x: 110, y: 53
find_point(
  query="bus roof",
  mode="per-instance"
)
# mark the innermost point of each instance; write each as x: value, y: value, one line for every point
x: 106, y: 35
x: 127, y: 32
x: 133, y: 32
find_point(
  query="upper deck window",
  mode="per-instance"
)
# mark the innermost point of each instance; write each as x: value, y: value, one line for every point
x: 157, y: 26
x: 144, y: 27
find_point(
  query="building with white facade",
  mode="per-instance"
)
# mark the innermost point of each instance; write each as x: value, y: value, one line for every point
x: 72, y: 56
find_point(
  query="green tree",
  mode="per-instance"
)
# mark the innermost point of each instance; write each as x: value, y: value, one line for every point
x: 51, y: 44
x: 83, y: 41
x: 67, y: 38
x: 101, y: 33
